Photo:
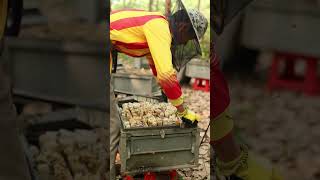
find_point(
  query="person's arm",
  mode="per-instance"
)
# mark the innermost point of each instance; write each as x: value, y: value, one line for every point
x: 151, y: 65
x: 159, y: 41
x: 222, y: 123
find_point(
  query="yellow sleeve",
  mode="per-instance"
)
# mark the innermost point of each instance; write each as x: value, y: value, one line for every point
x: 159, y: 38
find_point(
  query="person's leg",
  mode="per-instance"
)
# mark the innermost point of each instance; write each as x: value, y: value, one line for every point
x: 13, y: 163
x: 233, y: 159
x: 227, y: 149
x: 222, y: 138
x: 114, y: 132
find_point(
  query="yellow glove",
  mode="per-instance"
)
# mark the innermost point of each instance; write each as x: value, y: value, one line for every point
x: 189, y: 117
x: 246, y: 167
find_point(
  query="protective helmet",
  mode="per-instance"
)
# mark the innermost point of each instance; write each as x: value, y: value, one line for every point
x: 199, y: 22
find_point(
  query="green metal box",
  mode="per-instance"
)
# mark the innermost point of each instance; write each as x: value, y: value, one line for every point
x: 143, y: 85
x: 158, y: 148
x: 198, y: 69
x: 287, y: 25
x: 70, y: 72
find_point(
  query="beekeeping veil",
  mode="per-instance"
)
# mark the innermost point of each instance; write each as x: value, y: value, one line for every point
x: 224, y: 11
x: 182, y: 53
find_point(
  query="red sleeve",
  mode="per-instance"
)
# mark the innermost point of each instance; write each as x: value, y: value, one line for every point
x: 151, y: 65
x: 219, y: 92
x: 169, y: 84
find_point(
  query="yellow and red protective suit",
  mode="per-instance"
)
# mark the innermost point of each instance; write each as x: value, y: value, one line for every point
x: 246, y: 166
x: 222, y: 123
x: 140, y: 33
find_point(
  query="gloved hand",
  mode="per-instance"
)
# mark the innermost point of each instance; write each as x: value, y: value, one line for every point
x: 189, y: 117
x: 246, y: 167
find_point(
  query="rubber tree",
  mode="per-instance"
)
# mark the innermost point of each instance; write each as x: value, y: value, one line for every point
x: 150, y: 5
x: 168, y: 7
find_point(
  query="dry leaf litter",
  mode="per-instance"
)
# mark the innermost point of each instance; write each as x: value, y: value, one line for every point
x: 199, y: 102
x: 67, y: 155
x: 283, y: 127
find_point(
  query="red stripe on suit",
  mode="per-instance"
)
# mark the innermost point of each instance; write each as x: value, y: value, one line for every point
x: 132, y: 22
x: 143, y: 45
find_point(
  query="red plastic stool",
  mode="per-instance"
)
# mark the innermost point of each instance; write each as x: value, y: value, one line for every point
x: 150, y: 176
x: 153, y: 176
x: 198, y: 84
x: 173, y: 175
x: 308, y: 84
x: 128, y: 178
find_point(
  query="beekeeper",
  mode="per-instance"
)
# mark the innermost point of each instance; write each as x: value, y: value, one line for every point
x: 233, y: 160
x: 13, y: 164
x: 167, y: 43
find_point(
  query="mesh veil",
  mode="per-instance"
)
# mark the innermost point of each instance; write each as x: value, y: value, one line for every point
x: 182, y: 53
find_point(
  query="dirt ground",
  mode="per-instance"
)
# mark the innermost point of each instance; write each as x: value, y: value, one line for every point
x: 199, y: 102
x: 65, y: 155
x: 281, y: 126
x: 61, y: 154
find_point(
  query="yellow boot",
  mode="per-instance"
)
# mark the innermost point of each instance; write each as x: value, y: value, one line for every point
x: 246, y: 167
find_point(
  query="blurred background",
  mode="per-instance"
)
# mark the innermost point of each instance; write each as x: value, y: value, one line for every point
x: 59, y: 71
x: 270, y: 56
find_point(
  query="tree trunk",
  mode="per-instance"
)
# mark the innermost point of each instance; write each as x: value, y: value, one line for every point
x: 124, y: 3
x: 157, y: 5
x: 131, y: 4
x: 199, y: 4
x: 150, y: 5
x: 168, y: 8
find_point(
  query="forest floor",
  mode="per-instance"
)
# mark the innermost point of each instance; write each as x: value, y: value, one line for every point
x: 282, y: 126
